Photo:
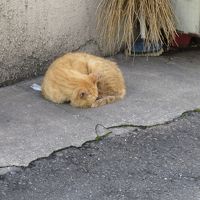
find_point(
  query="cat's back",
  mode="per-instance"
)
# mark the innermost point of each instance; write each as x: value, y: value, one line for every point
x: 80, y: 60
x: 72, y: 61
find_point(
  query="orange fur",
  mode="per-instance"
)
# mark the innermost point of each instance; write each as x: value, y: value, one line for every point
x: 83, y: 80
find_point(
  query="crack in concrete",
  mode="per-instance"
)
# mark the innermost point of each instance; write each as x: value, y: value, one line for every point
x: 143, y: 127
x: 13, y: 168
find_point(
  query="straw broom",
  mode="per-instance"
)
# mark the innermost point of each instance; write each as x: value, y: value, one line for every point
x: 117, y: 23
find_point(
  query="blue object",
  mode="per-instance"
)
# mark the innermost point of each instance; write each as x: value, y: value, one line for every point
x: 140, y: 47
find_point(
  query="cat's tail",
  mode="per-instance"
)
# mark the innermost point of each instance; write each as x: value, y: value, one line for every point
x: 36, y: 87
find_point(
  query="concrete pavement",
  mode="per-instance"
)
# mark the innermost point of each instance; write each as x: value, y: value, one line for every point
x: 158, y: 89
x: 156, y: 163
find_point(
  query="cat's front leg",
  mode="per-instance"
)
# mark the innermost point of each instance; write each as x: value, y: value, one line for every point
x: 104, y: 101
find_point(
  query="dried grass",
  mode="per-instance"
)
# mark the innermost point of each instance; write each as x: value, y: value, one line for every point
x: 117, y: 21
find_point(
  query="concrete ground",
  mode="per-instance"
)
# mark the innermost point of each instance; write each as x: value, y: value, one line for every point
x: 158, y: 90
x: 155, y: 163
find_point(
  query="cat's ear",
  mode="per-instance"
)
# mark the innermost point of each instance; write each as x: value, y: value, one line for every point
x: 94, y: 77
x: 82, y: 94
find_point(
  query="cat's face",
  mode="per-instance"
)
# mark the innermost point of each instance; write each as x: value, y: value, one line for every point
x: 87, y: 93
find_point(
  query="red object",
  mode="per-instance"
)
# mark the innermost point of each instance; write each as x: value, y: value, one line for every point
x: 182, y: 40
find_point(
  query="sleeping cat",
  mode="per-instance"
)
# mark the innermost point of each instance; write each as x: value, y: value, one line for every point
x: 83, y: 80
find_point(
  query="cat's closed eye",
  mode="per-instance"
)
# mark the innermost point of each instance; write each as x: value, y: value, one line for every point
x: 82, y: 95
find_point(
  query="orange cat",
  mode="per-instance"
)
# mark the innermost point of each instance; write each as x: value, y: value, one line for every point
x: 83, y: 80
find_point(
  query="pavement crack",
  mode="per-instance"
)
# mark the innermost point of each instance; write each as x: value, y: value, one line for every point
x: 143, y: 127
x: 107, y: 131
x: 102, y: 131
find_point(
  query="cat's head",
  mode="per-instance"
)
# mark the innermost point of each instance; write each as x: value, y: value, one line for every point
x: 86, y: 93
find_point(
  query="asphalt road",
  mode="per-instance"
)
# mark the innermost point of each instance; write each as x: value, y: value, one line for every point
x: 154, y: 163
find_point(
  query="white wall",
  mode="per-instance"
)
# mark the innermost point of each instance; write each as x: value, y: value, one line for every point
x: 33, y: 32
x: 188, y: 14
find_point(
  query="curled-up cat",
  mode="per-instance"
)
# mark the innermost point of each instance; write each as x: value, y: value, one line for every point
x: 84, y: 80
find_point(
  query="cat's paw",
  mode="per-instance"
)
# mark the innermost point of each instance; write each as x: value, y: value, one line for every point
x: 99, y: 102
x: 94, y: 105
x: 104, y: 101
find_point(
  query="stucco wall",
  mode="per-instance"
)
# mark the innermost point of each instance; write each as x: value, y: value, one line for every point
x: 34, y: 32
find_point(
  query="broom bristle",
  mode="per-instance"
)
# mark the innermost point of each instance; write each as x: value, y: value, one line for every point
x: 118, y: 19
